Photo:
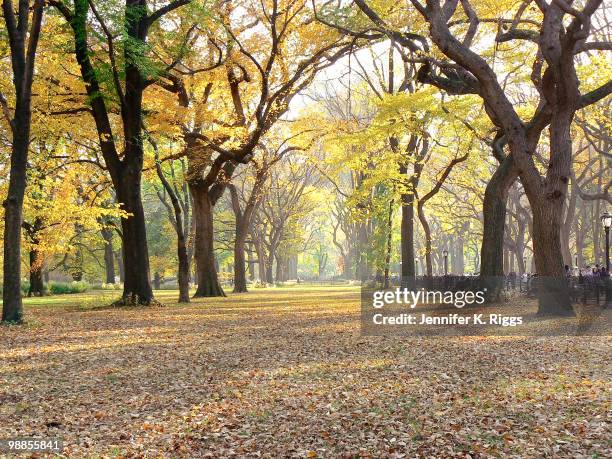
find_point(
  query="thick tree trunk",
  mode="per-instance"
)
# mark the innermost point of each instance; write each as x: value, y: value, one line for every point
x: 12, y: 307
x: 552, y: 287
x: 109, y: 255
x: 137, y: 285
x: 23, y: 41
x: 208, y: 281
x: 494, y: 225
x: 547, y: 208
x: 37, y: 287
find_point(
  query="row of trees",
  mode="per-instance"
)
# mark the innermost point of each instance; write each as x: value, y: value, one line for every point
x: 195, y: 103
x: 530, y: 108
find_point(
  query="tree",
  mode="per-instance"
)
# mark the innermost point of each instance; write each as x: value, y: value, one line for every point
x: 128, y: 85
x: 180, y: 218
x: 271, y: 58
x: 23, y: 30
x: 555, y: 78
x: 287, y: 199
x: 245, y: 208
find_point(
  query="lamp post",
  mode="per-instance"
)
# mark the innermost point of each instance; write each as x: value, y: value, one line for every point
x: 445, y: 254
x: 606, y: 221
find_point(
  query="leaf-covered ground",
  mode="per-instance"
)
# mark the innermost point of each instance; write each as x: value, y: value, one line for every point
x: 285, y: 373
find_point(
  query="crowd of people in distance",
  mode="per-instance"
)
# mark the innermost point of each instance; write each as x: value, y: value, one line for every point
x: 588, y: 271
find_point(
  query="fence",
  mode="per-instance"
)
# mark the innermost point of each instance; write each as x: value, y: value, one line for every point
x: 581, y: 289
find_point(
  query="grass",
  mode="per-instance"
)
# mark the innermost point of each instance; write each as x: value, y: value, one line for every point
x: 286, y: 373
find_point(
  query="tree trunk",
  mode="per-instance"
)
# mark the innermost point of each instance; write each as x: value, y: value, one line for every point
x: 460, y: 256
x: 156, y: 281
x: 240, y: 281
x: 208, y: 281
x: 109, y: 255
x: 180, y: 223
x: 23, y: 42
x: 389, y: 245
x: 427, y: 234
x: 552, y: 287
x: 37, y: 287
x: 407, y: 241
x: 269, y: 265
x: 137, y: 285
x: 547, y: 208
x: 494, y: 225
x: 363, y: 268
x: 261, y: 262
x: 12, y: 307
x: 183, y: 269
x: 292, y: 267
x: 566, y: 228
x: 119, y: 256
x: 580, y: 239
x: 251, y: 262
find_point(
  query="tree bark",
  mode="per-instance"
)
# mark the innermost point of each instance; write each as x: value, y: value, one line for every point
x: 37, y: 287
x: 109, y: 255
x: 208, y: 281
x: 12, y: 307
x: 261, y: 263
x: 240, y: 282
x: 119, y: 257
x: 389, y: 245
x: 23, y: 53
x: 251, y: 262
x: 137, y: 285
x: 427, y: 234
x: 494, y: 211
x: 407, y: 241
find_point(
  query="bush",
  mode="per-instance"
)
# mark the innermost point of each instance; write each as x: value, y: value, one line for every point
x: 117, y: 286
x: 63, y: 288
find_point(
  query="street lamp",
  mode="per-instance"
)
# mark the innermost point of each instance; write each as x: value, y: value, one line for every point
x: 445, y: 254
x: 606, y: 221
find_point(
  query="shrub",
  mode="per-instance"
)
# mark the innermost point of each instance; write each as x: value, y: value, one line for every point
x: 62, y: 288
x: 117, y: 286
